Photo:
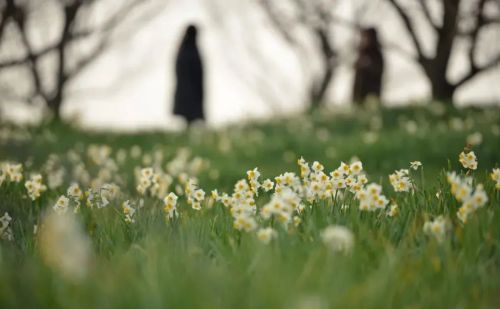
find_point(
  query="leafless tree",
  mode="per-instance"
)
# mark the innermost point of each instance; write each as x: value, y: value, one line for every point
x: 317, y: 18
x: 77, y: 29
x: 451, y: 21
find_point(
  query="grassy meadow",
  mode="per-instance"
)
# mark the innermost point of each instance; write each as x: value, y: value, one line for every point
x: 423, y: 238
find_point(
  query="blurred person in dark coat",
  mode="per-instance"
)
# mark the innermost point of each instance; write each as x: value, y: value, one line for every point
x: 369, y: 67
x: 189, y: 73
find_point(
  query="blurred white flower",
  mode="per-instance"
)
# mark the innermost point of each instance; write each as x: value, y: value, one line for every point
x: 128, y: 211
x: 338, y: 238
x: 457, y: 124
x: 415, y: 164
x: 5, y: 230
x: 310, y: 302
x: 265, y: 235
x: 475, y: 139
x: 370, y: 137
x: 495, y: 176
x: 411, y: 127
x: 61, y: 206
x: 244, y: 222
x: 64, y: 246
x: 75, y: 192
x: 170, y: 203
x: 437, y: 228
x: 393, y: 210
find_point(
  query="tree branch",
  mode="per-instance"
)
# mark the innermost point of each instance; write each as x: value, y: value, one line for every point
x: 22, y: 61
x: 4, y: 17
x: 491, y: 20
x: 344, y: 22
x: 32, y: 58
x: 277, y: 22
x: 74, y: 36
x: 478, y: 69
x: 427, y: 13
x: 388, y: 45
x: 409, y: 28
x: 105, y: 30
x: 85, y: 61
x: 475, y: 34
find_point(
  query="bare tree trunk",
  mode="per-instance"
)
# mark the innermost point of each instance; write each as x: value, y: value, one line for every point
x: 436, y: 66
x: 441, y: 89
x: 64, y: 71
x: 319, y: 90
x: 321, y: 86
x: 55, y: 102
x: 54, y: 106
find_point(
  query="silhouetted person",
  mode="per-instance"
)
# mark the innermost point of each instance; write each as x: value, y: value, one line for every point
x: 369, y: 67
x: 189, y: 72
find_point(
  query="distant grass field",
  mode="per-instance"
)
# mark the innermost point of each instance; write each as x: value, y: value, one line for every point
x: 198, y: 259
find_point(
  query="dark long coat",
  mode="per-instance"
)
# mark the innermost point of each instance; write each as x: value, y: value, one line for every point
x: 369, y: 67
x: 188, y: 101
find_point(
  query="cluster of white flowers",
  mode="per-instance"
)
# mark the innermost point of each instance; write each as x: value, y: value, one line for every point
x: 170, y: 205
x: 290, y: 193
x: 99, y: 154
x: 156, y: 183
x: 11, y: 172
x: 284, y: 203
x: 317, y: 185
x: 146, y: 174
x: 94, y: 170
x: 244, y: 222
x: 35, y: 186
x: 95, y: 198
x: 338, y: 239
x: 182, y: 163
x: 195, y: 195
x: 400, y: 180
x: 468, y: 160
x: 371, y: 198
x: 100, y: 157
x: 128, y: 211
x: 471, y: 199
x: 108, y: 192
x: 265, y: 235
x: 242, y: 204
x: 160, y: 184
x: 253, y: 180
x: 5, y: 230
x: 55, y: 172
x: 437, y: 228
x: 495, y: 176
